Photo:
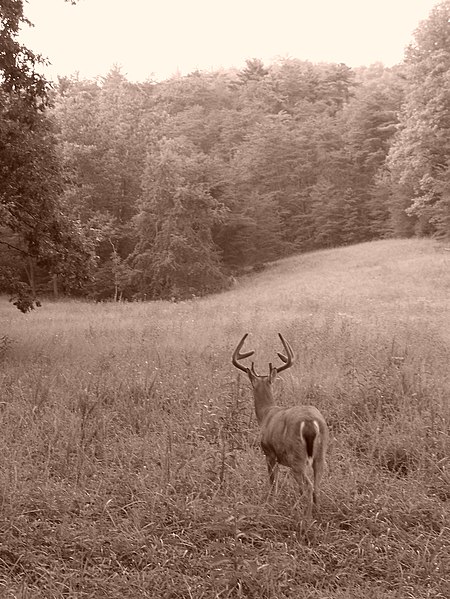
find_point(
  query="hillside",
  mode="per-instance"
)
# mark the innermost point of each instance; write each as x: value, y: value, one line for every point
x: 129, y: 457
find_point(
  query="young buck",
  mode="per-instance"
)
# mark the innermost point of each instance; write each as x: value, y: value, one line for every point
x: 292, y: 436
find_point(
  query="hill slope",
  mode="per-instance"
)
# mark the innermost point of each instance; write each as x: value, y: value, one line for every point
x: 129, y: 455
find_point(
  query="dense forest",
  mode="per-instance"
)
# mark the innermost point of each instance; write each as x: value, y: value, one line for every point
x: 111, y: 189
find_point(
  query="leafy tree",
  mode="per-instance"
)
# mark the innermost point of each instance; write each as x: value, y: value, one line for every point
x: 175, y: 255
x: 277, y: 162
x: 30, y: 176
x: 367, y: 124
x: 252, y: 232
x: 103, y: 144
x: 419, y: 157
x: 304, y: 89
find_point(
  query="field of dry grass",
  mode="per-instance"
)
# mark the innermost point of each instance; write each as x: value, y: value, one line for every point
x: 129, y: 457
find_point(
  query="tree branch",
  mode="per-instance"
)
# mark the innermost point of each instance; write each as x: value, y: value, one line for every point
x: 13, y: 247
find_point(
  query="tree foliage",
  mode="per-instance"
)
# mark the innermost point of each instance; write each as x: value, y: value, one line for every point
x: 168, y: 189
x: 419, y: 156
x: 175, y: 255
x: 30, y: 171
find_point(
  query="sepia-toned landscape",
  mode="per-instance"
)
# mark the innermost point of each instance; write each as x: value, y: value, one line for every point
x: 224, y: 300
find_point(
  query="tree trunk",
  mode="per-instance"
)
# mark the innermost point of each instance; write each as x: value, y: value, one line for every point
x: 30, y: 273
x: 55, y: 285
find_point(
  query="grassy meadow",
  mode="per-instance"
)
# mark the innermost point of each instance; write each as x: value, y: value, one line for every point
x: 129, y: 457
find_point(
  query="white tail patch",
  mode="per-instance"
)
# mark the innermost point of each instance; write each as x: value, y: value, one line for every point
x: 302, y: 426
x: 309, y: 459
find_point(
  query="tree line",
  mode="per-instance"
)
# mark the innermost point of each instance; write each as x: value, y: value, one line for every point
x: 111, y: 189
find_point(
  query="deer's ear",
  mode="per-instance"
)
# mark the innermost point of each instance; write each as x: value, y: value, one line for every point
x: 272, y: 374
x: 253, y: 377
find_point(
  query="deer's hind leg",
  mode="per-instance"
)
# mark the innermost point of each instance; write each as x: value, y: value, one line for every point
x: 318, y: 468
x: 305, y: 484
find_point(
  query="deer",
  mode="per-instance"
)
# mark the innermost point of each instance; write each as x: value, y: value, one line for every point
x: 294, y: 436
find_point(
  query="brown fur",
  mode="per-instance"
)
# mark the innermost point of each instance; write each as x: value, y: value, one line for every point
x: 292, y: 437
x: 285, y: 441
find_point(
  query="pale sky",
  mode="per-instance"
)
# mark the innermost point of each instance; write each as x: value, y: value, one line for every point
x: 153, y: 39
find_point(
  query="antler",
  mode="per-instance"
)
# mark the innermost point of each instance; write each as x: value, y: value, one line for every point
x: 238, y: 356
x: 286, y: 359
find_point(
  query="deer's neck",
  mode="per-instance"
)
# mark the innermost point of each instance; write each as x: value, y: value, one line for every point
x: 263, y: 403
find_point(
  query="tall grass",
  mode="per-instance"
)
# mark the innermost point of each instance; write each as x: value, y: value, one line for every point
x: 129, y: 457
